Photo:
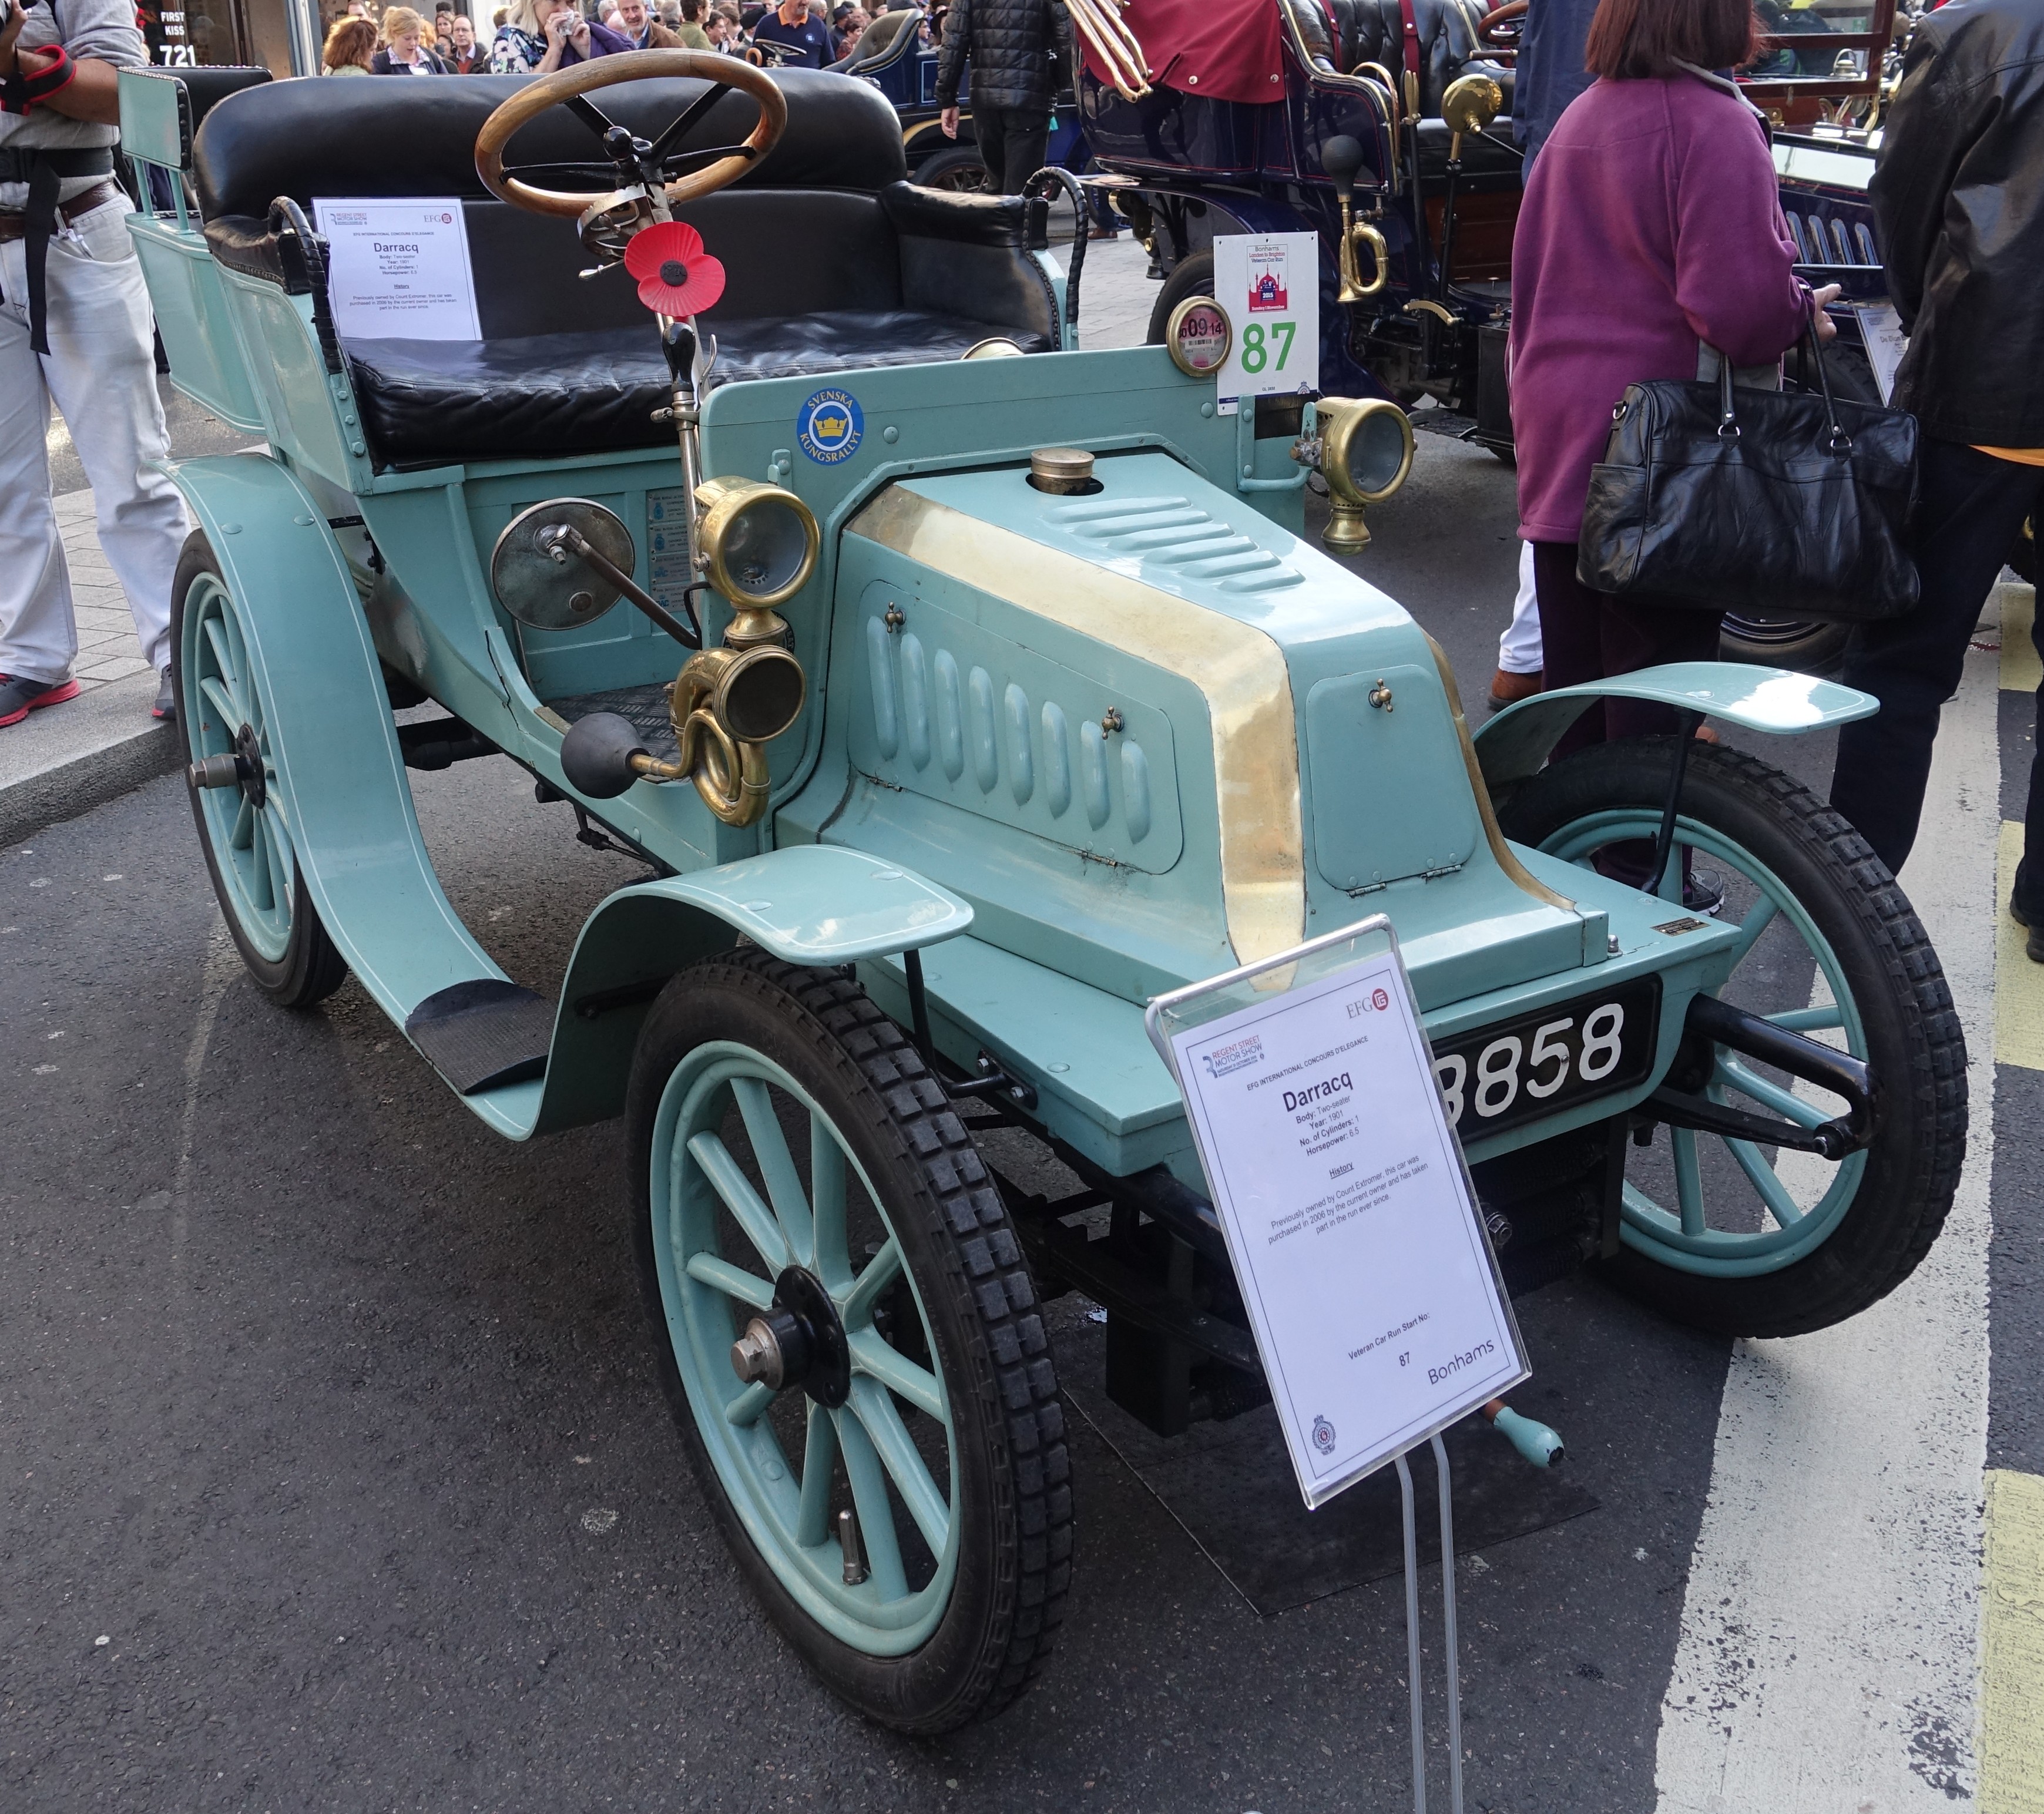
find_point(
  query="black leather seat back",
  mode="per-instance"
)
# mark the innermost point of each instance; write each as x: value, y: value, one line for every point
x: 795, y: 252
x: 303, y: 138
x: 1347, y: 33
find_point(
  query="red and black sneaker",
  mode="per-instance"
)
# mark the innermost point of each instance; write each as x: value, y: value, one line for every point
x: 18, y: 698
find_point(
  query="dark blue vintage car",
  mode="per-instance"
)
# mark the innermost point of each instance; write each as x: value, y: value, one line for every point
x: 1395, y: 146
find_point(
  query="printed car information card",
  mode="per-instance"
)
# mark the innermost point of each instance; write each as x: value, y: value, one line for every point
x: 1269, y: 284
x: 1369, y: 1278
x: 399, y: 269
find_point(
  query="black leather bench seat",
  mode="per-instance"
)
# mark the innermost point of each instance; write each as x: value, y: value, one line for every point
x: 433, y: 401
x: 833, y: 261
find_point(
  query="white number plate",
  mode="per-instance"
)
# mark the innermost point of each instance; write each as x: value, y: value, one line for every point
x: 1515, y: 1071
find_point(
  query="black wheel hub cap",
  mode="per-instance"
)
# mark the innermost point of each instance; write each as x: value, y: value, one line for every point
x: 248, y: 767
x: 819, y: 1358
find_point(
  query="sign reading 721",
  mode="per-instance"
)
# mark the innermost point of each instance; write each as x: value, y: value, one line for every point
x: 1269, y: 284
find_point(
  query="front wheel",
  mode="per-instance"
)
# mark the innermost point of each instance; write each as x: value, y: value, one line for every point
x: 894, y: 1485
x: 1726, y: 1234
x: 247, y: 829
x: 957, y: 168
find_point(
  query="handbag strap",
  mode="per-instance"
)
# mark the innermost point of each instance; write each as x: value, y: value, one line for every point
x: 1837, y: 441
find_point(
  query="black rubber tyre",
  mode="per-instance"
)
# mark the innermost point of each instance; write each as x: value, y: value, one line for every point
x: 957, y: 168
x: 309, y: 967
x: 1192, y: 276
x: 1013, y: 1509
x: 1783, y: 642
x: 1913, y: 1038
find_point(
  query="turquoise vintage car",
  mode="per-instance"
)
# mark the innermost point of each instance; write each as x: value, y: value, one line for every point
x: 1010, y: 695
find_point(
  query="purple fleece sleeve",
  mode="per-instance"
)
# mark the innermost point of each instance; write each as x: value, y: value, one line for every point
x: 1732, y: 249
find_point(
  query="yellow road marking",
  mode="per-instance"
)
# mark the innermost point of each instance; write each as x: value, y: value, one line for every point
x: 2018, y: 984
x: 2011, y: 1755
x: 2020, y: 669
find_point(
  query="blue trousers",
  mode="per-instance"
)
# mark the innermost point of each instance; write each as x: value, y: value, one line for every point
x: 1971, y: 508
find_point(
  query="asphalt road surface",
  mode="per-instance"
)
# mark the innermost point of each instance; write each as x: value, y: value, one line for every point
x: 334, y: 1473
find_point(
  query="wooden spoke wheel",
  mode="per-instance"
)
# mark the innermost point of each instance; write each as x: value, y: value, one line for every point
x: 893, y: 1486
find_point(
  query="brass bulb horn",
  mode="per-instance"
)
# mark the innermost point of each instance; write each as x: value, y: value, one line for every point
x: 1341, y: 158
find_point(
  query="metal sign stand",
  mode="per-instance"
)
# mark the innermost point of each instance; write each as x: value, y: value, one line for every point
x: 1413, y: 1634
x: 1275, y: 1061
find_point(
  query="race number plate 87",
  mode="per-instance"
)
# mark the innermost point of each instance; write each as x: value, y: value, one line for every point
x: 1515, y: 1071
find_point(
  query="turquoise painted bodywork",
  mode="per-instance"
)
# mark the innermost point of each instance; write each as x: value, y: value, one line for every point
x: 952, y: 781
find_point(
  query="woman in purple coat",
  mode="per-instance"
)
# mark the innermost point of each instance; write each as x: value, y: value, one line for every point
x: 1650, y: 230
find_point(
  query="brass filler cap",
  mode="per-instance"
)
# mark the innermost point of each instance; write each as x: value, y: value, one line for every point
x: 1061, y: 469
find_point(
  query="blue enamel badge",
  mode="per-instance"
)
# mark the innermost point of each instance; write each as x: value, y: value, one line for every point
x: 829, y: 426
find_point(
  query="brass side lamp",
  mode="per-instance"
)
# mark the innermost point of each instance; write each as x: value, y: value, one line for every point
x: 1366, y: 452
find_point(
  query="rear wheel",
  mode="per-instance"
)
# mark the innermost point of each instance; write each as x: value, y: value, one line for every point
x: 1793, y: 642
x: 1192, y: 276
x: 793, y: 1157
x: 1726, y: 1234
x: 246, y: 829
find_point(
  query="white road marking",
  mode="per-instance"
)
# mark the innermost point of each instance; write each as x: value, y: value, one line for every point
x: 1829, y: 1653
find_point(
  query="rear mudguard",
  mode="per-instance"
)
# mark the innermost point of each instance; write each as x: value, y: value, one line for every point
x: 345, y: 796
x: 1516, y: 743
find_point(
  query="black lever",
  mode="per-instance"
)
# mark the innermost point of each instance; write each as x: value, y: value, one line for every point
x: 558, y: 539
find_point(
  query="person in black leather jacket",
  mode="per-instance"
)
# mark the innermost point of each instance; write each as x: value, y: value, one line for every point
x: 1011, y: 43
x: 1958, y: 200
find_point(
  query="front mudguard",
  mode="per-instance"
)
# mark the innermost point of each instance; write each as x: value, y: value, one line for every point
x: 1515, y: 744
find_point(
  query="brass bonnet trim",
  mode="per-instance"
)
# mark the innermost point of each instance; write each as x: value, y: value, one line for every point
x: 1240, y: 669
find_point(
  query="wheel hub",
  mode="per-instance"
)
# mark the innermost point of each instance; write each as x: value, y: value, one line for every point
x: 799, y: 1341
x: 248, y: 767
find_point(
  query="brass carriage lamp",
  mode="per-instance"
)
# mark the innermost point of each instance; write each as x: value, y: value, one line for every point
x: 1364, y: 451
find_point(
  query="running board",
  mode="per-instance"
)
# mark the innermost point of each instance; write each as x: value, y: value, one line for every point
x: 482, y: 1034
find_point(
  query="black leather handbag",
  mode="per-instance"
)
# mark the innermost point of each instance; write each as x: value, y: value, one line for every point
x: 1782, y: 503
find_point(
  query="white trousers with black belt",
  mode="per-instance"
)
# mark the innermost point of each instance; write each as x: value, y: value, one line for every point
x: 101, y: 374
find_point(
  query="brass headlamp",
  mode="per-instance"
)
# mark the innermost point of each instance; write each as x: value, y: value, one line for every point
x: 758, y: 544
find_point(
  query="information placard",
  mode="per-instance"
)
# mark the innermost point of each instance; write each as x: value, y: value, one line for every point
x: 1269, y: 284
x: 399, y: 269
x: 1369, y: 1278
x: 1881, y: 328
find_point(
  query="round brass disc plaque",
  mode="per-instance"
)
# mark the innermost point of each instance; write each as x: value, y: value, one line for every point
x: 1199, y: 336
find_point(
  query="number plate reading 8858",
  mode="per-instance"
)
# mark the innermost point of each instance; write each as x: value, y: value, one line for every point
x: 1515, y: 1071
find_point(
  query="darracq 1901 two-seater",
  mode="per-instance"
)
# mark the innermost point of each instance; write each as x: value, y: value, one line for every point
x: 1010, y: 695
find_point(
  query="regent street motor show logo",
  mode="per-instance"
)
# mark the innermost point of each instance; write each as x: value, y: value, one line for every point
x: 1233, y: 1056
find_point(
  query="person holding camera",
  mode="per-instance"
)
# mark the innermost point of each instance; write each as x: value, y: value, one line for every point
x: 76, y: 331
x: 543, y: 36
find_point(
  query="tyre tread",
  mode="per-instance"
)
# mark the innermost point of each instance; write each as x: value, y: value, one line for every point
x: 1828, y: 1290
x: 1014, y: 1370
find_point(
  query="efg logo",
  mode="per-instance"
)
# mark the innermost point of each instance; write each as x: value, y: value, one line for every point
x: 830, y: 426
x: 1222, y: 1059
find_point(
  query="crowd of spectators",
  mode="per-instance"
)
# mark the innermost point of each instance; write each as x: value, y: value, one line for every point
x: 535, y: 37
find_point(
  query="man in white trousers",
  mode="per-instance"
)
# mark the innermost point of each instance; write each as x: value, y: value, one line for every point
x: 1520, y: 655
x: 75, y: 330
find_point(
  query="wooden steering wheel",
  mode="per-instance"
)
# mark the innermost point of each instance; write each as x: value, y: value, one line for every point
x: 715, y: 167
x: 1512, y: 13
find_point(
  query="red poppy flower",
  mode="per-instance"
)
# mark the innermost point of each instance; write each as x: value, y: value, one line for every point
x: 676, y: 276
